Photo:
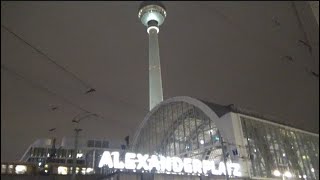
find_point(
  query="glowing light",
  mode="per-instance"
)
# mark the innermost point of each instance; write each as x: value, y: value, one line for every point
x: 3, y: 168
x: 312, y: 170
x: 197, y: 166
x: 89, y: 170
x: 236, y: 169
x: 129, y: 161
x: 177, y: 164
x: 287, y: 174
x: 300, y: 176
x: 201, y: 141
x: 187, y: 165
x: 303, y: 157
x: 116, y: 162
x: 106, y: 160
x: 305, y: 176
x: 276, y: 173
x: 62, y: 170
x: 154, y: 163
x: 207, y: 166
x: 21, y: 169
x: 222, y: 168
x: 46, y: 171
x: 142, y: 161
x: 283, y: 154
x: 79, y: 155
x: 161, y: 164
x: 165, y: 163
x: 83, y: 171
x: 152, y: 27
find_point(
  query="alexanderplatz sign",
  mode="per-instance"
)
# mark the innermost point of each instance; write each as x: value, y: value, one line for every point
x: 168, y: 165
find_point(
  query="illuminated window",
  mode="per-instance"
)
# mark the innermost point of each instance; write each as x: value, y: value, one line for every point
x: 3, y: 168
x: 10, y: 169
x: 284, y: 148
x: 89, y: 171
x: 62, y: 170
x: 79, y: 155
x: 83, y: 171
x: 21, y: 169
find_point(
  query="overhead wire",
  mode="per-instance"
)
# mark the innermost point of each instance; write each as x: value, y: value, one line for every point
x: 89, y: 88
x: 41, y: 87
x: 3, y: 67
x: 85, y: 84
x: 259, y: 41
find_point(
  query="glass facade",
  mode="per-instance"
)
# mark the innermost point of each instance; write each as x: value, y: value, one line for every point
x: 264, y: 149
x: 275, y: 149
x: 180, y: 129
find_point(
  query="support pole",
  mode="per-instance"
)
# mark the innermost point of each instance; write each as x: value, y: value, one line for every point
x: 224, y: 155
x: 73, y: 177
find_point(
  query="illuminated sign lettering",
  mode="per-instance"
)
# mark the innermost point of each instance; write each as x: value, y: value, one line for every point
x: 163, y: 164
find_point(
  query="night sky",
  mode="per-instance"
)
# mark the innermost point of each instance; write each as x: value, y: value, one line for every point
x: 243, y: 53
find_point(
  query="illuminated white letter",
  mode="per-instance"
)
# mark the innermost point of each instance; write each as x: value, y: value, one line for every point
x: 142, y: 161
x: 116, y: 160
x: 197, y: 166
x: 154, y: 163
x: 165, y: 163
x: 129, y: 161
x: 177, y: 164
x: 222, y: 168
x: 187, y: 165
x: 236, y: 169
x: 106, y: 160
x: 207, y: 166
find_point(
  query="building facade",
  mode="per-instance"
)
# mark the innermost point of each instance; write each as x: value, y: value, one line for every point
x: 43, y: 157
x: 238, y: 143
x: 187, y: 127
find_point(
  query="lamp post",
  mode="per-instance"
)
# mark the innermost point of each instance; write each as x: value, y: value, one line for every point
x: 76, y: 130
x: 53, y: 142
x: 224, y: 155
x: 77, y: 120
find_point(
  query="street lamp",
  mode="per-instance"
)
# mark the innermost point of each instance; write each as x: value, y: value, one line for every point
x: 77, y: 120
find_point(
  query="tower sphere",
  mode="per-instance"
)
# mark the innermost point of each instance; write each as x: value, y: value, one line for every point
x: 152, y: 13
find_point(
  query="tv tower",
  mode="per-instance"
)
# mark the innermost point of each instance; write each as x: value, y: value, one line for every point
x: 152, y: 15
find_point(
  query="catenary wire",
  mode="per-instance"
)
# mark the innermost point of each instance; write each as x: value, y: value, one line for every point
x: 48, y: 58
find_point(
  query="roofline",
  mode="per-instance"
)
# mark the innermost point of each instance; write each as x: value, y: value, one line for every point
x: 217, y: 112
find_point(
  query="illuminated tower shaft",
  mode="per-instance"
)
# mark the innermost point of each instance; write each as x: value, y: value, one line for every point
x: 152, y: 15
x: 155, y: 83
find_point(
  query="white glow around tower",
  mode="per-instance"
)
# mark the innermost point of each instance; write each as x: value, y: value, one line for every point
x: 152, y: 15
